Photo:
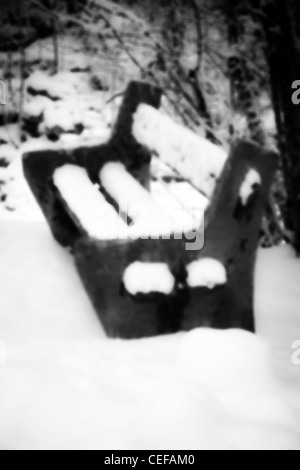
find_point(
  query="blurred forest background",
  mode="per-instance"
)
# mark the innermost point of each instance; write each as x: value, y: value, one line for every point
x: 226, y: 68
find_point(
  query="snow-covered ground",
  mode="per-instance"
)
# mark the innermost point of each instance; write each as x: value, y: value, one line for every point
x: 65, y: 385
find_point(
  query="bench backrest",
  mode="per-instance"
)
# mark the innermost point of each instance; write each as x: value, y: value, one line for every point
x: 86, y: 195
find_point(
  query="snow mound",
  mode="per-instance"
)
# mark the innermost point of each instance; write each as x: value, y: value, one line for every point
x: 206, y: 272
x: 63, y: 116
x: 145, y: 278
x: 9, y: 134
x: 195, y: 158
x: 4, y: 176
x: 57, y: 86
x: 65, y: 104
x: 65, y: 386
x: 36, y: 107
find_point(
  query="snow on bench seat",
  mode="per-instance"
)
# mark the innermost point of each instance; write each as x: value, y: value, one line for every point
x: 150, y: 216
x: 87, y: 205
x: 180, y: 194
x: 195, y: 158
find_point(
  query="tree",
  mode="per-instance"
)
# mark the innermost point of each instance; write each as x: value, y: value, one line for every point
x: 281, y: 22
x: 23, y: 22
x: 244, y: 51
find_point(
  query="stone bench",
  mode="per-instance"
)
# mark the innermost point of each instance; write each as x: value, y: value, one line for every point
x: 146, y: 270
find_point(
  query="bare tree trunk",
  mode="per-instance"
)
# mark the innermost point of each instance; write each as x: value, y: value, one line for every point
x: 242, y: 78
x: 281, y: 23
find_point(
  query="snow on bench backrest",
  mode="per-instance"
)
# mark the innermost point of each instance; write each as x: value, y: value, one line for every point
x: 195, y: 158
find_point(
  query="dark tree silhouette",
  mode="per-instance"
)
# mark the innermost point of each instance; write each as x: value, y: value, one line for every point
x: 281, y: 21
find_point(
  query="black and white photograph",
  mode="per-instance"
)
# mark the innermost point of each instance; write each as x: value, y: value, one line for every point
x: 149, y: 227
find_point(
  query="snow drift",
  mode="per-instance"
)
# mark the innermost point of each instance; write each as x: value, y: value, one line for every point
x: 65, y: 385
